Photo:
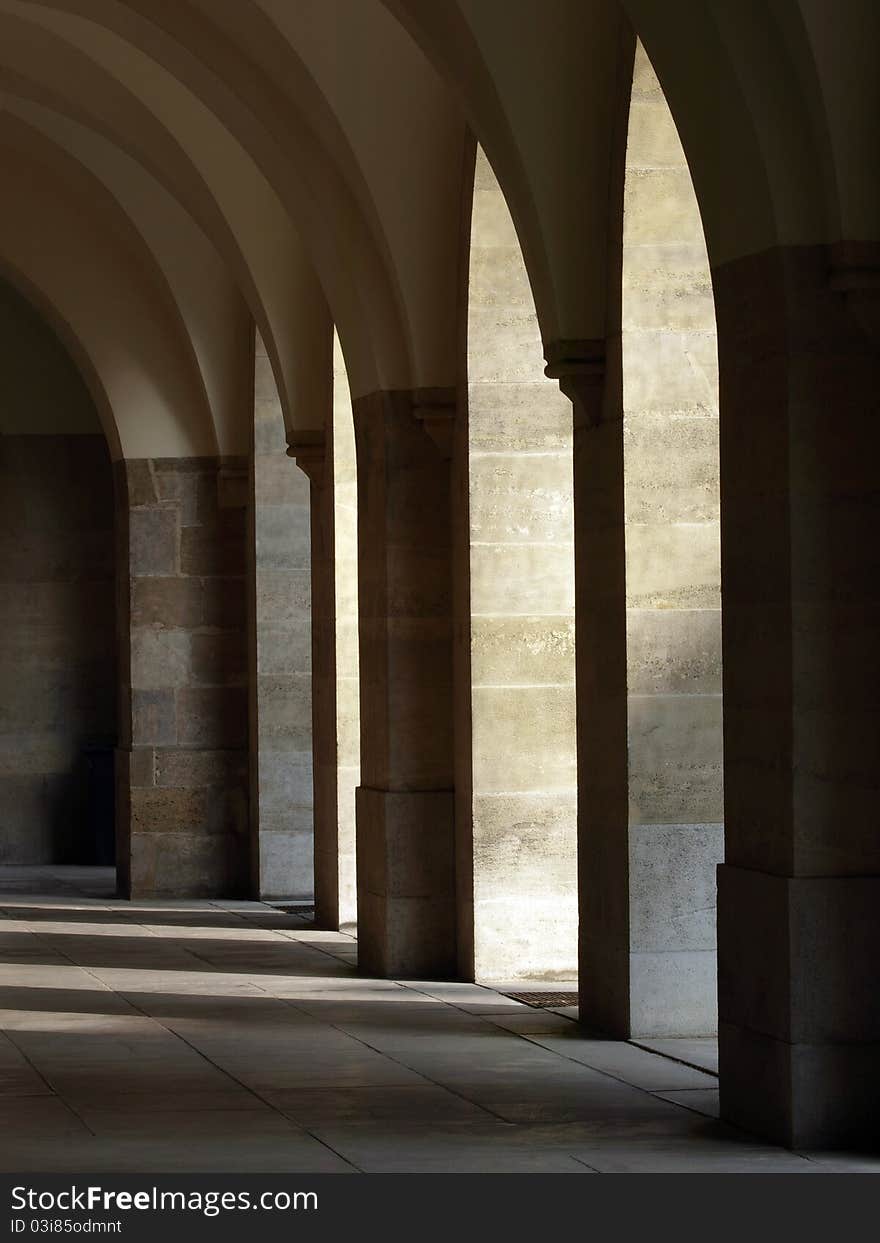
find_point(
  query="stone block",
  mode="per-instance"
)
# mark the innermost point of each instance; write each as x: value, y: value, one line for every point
x: 521, y: 498
x: 212, y: 717
x: 674, y: 651
x: 284, y: 648
x: 159, y: 658
x: 158, y: 811
x: 660, y: 206
x: 667, y: 288
x: 687, y: 362
x: 142, y: 766
x: 514, y: 356
x: 153, y: 541
x: 218, y: 659
x: 283, y: 594
x: 216, y: 549
x: 673, y: 567
x: 228, y: 811
x: 225, y: 602
x: 801, y: 1095
x: 139, y: 481
x: 497, y: 279
x: 283, y: 536
x: 348, y: 721
x: 675, y: 759
x: 521, y: 418
x: 277, y: 481
x: 509, y: 753
x: 672, y: 886
x: 153, y: 717
x: 406, y: 871
x: 515, y: 580
x: 179, y: 865
x: 285, y: 783
x: 269, y: 435
x: 797, y: 956
x: 195, y: 769
x: 169, y: 602
x: 265, y: 388
x: 181, y: 488
x: 524, y: 849
x: 653, y: 140
x: 347, y: 658
x: 286, y: 865
x: 507, y: 947
x: 522, y: 650
x: 525, y: 845
x: 285, y: 712
x: 406, y: 719
x: 671, y: 469
x: 673, y: 993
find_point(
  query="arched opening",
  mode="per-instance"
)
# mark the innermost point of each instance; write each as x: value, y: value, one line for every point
x: 58, y: 669
x: 516, y: 813
x: 673, y: 576
x: 282, y: 837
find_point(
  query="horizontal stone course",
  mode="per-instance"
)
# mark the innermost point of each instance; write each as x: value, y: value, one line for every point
x: 57, y: 649
x: 186, y: 659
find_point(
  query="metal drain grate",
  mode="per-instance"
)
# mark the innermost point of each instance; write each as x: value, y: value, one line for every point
x: 304, y: 912
x: 545, y: 1001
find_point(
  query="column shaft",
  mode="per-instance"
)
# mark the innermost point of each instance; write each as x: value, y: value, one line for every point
x: 405, y: 820
x: 182, y: 765
x: 799, y: 894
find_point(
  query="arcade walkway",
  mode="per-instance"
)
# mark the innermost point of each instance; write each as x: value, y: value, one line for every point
x: 209, y: 1036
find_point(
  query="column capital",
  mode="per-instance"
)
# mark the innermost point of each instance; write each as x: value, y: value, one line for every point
x: 435, y: 410
x: 579, y: 366
x: 308, y: 448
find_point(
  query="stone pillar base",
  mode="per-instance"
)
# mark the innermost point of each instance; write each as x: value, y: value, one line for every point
x: 799, y: 1007
x: 406, y: 883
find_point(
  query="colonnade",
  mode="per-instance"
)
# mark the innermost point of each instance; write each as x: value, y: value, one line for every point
x: 442, y: 668
x: 463, y: 676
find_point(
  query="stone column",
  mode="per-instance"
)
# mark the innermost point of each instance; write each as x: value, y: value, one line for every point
x: 594, y: 385
x: 332, y: 903
x: 799, y: 893
x: 182, y: 763
x: 405, y: 819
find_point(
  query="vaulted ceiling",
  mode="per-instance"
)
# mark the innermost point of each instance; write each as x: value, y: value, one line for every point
x: 174, y: 168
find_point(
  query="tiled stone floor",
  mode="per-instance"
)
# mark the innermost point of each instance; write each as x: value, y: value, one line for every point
x: 212, y: 1036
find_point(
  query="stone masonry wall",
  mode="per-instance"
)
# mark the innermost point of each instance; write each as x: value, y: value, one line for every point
x: 516, y: 784
x: 57, y: 675
x: 281, y: 658
x: 182, y: 764
x: 670, y: 383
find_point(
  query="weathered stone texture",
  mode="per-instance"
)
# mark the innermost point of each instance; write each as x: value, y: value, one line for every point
x: 673, y: 579
x: 57, y: 658
x: 515, y: 728
x: 183, y: 828
x: 649, y: 637
x: 280, y: 656
x: 797, y: 923
x: 406, y: 683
